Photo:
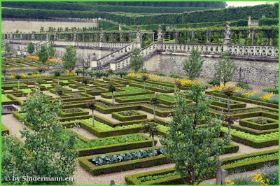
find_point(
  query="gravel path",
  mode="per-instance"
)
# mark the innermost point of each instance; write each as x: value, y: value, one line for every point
x: 84, y: 133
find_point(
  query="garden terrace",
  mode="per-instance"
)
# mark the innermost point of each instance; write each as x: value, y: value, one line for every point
x: 163, y: 98
x: 128, y: 115
x: 239, y: 163
x: 87, y: 147
x: 126, y: 91
x: 244, y: 99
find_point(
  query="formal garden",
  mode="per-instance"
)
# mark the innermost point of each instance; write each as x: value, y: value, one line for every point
x: 65, y: 121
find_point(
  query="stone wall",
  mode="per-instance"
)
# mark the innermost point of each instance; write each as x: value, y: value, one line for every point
x: 61, y: 50
x: 29, y: 26
x: 254, y: 72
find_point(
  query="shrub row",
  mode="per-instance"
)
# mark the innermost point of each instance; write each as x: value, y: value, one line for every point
x: 138, y: 116
x: 253, y: 125
x: 247, y: 100
x: 117, y: 147
x: 175, y: 179
x: 85, y: 162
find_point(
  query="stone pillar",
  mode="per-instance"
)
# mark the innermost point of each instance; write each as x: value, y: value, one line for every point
x: 32, y: 36
x: 55, y: 36
x: 227, y: 39
x: 121, y: 37
x: 74, y: 37
x: 47, y: 37
x: 21, y: 36
x: 176, y: 37
x: 252, y: 37
x: 138, y: 38
x: 160, y: 34
x: 192, y: 35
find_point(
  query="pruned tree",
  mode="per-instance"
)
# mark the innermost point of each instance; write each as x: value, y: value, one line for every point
x: 154, y: 102
x: 225, y: 69
x: 136, y: 60
x: 70, y: 58
x: 145, y: 78
x: 151, y: 128
x: 30, y: 48
x: 193, y: 65
x: 112, y: 89
x: 49, y: 153
x: 43, y: 54
x: 92, y: 107
x: 194, y: 148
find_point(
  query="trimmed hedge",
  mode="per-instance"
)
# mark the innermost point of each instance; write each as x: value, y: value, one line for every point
x: 175, y: 179
x: 121, y: 117
x: 122, y: 166
x: 250, y: 124
x: 117, y: 147
x: 247, y: 100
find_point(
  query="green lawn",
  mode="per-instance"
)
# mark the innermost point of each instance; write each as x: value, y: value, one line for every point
x: 127, y: 91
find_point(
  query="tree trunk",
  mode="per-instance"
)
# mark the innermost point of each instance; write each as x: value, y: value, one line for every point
x: 18, y: 84
x: 144, y: 85
x: 113, y: 101
x: 154, y: 109
x: 92, y: 118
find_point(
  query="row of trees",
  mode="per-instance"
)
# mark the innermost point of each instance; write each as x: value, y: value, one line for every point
x: 224, y: 69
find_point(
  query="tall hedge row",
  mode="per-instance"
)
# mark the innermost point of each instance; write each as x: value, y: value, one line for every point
x: 217, y: 15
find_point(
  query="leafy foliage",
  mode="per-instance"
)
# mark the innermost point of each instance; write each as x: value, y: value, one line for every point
x: 30, y: 48
x: 43, y: 54
x: 189, y: 146
x: 136, y: 61
x: 225, y: 69
x: 193, y: 65
x: 70, y: 58
x: 116, y: 158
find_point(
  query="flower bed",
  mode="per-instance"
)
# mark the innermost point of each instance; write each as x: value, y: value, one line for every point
x: 256, y: 141
x: 128, y: 115
x: 233, y: 164
x: 126, y: 91
x: 259, y: 123
x: 144, y: 161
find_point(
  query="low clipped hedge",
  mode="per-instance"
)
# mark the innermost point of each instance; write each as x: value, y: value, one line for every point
x: 115, y: 132
x: 122, y: 166
x: 253, y: 131
x: 255, y: 114
x: 247, y: 100
x: 117, y: 147
x: 121, y: 117
x: 78, y: 112
x: 227, y: 163
x: 253, y: 125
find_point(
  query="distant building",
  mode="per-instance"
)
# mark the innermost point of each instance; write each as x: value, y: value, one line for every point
x: 252, y: 22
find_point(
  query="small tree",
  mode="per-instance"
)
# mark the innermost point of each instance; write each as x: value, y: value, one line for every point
x: 145, y: 78
x: 43, y: 54
x: 122, y: 73
x: 70, y: 58
x: 52, y: 154
x: 136, y: 61
x: 92, y: 107
x: 112, y: 89
x: 194, y: 149
x: 225, y: 69
x: 151, y: 128
x: 18, y: 77
x: 4, y: 72
x: 30, y: 48
x: 154, y: 102
x: 193, y: 65
x: 7, y: 51
x: 51, y: 51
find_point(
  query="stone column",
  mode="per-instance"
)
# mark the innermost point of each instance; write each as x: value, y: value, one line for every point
x: 47, y: 37
x: 160, y: 34
x: 138, y: 38
x: 32, y: 36
x: 252, y: 37
x: 176, y: 37
x: 227, y: 39
x: 74, y: 37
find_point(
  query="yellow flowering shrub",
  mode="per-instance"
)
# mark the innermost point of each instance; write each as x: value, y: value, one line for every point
x: 267, y: 97
x: 36, y: 75
x: 70, y: 74
x: 259, y: 179
x: 221, y: 87
x: 54, y: 60
x: 24, y: 76
x: 34, y: 58
x: 154, y: 77
x: 12, y: 76
x: 249, y: 93
x: 229, y: 182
